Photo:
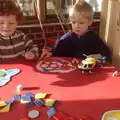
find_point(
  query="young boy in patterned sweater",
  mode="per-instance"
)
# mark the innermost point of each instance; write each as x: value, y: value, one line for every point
x: 14, y: 44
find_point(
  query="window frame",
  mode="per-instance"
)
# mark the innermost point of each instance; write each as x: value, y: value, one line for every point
x: 51, y: 18
x: 33, y: 19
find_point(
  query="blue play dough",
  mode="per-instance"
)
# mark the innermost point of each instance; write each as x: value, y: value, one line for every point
x: 29, y: 94
x: 39, y: 102
x: 26, y: 98
x: 9, y: 101
x: 30, y: 104
x: 51, y: 112
x: 12, y: 72
x: 17, y: 97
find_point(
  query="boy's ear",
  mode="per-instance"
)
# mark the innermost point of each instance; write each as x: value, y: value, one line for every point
x: 90, y: 22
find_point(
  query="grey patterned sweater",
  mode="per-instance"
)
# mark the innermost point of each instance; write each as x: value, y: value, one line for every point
x: 15, y: 46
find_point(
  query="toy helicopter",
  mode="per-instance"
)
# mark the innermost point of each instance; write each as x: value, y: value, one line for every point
x: 87, y: 65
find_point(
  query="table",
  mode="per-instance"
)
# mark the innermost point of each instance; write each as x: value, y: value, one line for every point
x: 77, y: 94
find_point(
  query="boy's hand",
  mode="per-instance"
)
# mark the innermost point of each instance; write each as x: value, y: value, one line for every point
x: 29, y: 55
x: 96, y: 56
x: 45, y: 54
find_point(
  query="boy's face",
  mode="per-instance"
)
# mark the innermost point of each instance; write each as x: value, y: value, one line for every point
x: 8, y: 25
x: 80, y: 25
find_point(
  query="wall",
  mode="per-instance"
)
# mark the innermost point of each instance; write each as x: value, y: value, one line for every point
x: 52, y: 30
x: 110, y: 28
x: 106, y: 21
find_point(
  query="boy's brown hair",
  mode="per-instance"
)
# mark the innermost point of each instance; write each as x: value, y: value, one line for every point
x: 8, y: 7
x: 81, y: 7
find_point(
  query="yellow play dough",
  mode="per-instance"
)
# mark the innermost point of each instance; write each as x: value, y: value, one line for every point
x: 40, y: 95
x: 3, y: 103
x: 49, y: 102
x: 5, y: 109
x: 2, y: 74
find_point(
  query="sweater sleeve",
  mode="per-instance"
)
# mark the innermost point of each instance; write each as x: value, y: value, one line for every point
x: 29, y: 46
x: 101, y: 47
x: 63, y: 46
x: 59, y: 47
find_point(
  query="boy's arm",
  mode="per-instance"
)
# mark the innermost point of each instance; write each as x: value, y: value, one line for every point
x: 102, y: 47
x: 57, y: 50
x: 105, y: 50
x: 30, y: 47
x: 96, y: 56
x: 45, y: 54
x: 60, y: 48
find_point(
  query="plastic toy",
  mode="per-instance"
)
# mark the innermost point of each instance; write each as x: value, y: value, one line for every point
x: 33, y: 114
x: 111, y: 115
x: 5, y: 109
x: 102, y: 62
x: 51, y: 112
x: 2, y: 103
x: 5, y: 75
x: 55, y: 65
x: 39, y: 102
x: 116, y: 73
x: 30, y: 100
x: 19, y: 88
x: 87, y: 65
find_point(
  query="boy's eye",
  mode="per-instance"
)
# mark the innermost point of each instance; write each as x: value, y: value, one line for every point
x: 1, y: 23
x: 78, y: 22
x: 81, y: 23
x: 73, y: 22
x: 11, y: 23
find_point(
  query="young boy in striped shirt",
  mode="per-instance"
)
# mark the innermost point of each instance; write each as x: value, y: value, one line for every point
x: 14, y: 44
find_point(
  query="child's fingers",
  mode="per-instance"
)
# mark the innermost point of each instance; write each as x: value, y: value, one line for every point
x: 29, y: 56
x: 75, y: 61
x: 49, y: 54
x: 23, y: 54
x: 45, y: 55
x: 42, y: 56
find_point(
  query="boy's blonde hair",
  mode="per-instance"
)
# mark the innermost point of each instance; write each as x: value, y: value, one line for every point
x: 81, y: 7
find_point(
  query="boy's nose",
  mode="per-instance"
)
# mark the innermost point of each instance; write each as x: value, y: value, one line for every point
x: 77, y: 25
x: 6, y: 25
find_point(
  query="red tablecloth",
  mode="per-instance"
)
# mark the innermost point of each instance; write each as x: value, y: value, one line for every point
x: 77, y: 94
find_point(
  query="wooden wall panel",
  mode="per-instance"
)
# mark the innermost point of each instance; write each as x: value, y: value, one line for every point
x: 110, y: 27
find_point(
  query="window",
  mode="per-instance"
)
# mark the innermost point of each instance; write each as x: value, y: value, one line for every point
x: 46, y: 7
x: 61, y: 5
x: 65, y: 5
x: 96, y: 4
x: 27, y: 7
